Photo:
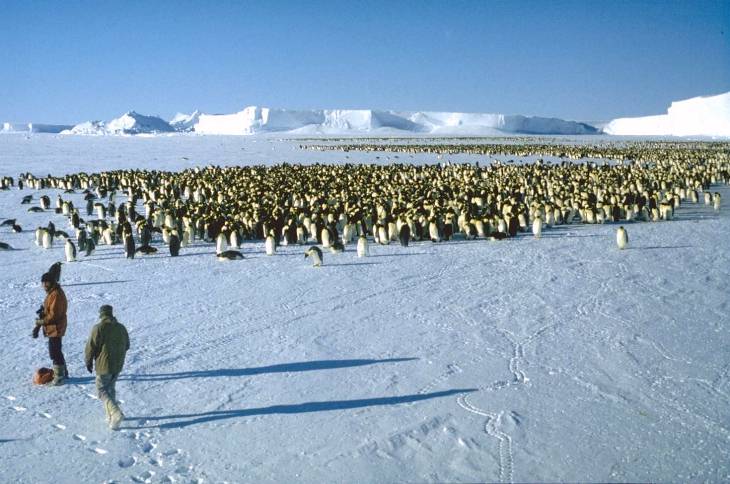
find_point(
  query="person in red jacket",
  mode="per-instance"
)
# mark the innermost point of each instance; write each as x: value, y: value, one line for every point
x: 53, y: 321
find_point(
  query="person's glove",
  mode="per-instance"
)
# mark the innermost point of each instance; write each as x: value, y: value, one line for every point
x: 36, y: 330
x: 90, y: 367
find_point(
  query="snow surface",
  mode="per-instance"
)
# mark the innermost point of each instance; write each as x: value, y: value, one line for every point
x: 34, y: 128
x: 698, y: 116
x: 559, y: 359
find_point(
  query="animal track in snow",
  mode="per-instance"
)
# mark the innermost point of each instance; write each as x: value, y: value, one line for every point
x: 18, y: 408
x: 10, y: 397
x: 59, y: 426
x: 99, y: 450
x: 127, y: 462
x: 45, y: 415
x: 491, y: 428
x: 79, y: 437
x: 145, y: 477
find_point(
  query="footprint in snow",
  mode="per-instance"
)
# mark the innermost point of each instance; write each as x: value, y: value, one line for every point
x: 79, y: 437
x: 127, y: 462
x: 45, y: 415
x: 148, y: 447
x: 19, y: 409
x: 92, y: 396
x: 99, y: 450
x: 59, y: 426
x: 171, y: 452
x: 10, y: 397
x: 144, y: 477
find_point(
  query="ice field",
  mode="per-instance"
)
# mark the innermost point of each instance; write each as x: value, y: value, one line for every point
x: 558, y: 359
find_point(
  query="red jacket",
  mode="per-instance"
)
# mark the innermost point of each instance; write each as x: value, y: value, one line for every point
x: 54, y: 313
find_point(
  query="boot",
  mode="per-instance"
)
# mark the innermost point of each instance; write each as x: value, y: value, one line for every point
x: 59, y: 375
x: 115, y: 418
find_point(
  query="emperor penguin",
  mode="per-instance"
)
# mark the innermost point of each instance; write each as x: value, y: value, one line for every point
x: 316, y: 254
x: 233, y: 239
x: 326, y: 242
x: 362, y: 246
x: 337, y: 247
x: 55, y: 272
x: 90, y: 246
x: 129, y: 248
x: 270, y: 244
x: 708, y: 198
x: 220, y: 243
x: 107, y: 235
x: 46, y: 239
x: 229, y: 255
x: 433, y: 231
x: 174, y: 244
x: 70, y: 250
x: 39, y: 236
x: 622, y: 238
x: 716, y: 201
x: 537, y: 227
x: 383, y: 238
x: 404, y: 235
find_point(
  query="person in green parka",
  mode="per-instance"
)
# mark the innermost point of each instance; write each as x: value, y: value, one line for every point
x: 106, y: 349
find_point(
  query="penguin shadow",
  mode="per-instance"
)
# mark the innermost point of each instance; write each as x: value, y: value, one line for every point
x: 193, y: 254
x: 355, y: 264
x: 94, y: 283
x: 657, y: 247
x: 280, y: 368
x: 404, y: 254
x: 186, y: 420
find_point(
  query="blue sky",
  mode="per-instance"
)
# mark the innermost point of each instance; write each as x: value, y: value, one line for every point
x: 73, y: 61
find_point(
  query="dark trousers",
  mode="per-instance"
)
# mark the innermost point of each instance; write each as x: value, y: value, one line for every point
x: 54, y: 350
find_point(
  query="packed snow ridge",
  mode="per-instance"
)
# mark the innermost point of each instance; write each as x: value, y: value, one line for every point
x: 129, y: 123
x: 698, y: 116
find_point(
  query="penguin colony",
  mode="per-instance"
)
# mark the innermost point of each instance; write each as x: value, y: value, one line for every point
x: 337, y: 205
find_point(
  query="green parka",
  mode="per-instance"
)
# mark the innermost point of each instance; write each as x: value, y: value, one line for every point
x: 107, y: 346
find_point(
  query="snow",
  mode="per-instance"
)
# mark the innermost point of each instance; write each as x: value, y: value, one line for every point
x: 255, y: 119
x: 185, y: 122
x: 559, y: 359
x: 698, y: 116
x: 129, y: 123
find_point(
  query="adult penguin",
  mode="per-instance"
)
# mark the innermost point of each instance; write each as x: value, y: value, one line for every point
x: 622, y: 238
x: 174, y: 244
x: 90, y: 246
x: 81, y: 238
x: 145, y: 235
x: 46, y: 239
x: 537, y: 227
x: 270, y: 244
x: 316, y: 254
x: 513, y: 226
x: 70, y: 250
x: 55, y: 272
x: 362, y: 246
x: 404, y: 235
x: 129, y: 248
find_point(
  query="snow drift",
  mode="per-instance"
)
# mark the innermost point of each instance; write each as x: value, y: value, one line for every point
x: 698, y: 116
x: 255, y: 119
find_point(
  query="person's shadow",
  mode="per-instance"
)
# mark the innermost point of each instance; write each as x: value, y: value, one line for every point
x: 186, y: 420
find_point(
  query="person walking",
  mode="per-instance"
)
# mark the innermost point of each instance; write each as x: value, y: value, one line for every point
x: 53, y: 321
x: 106, y: 349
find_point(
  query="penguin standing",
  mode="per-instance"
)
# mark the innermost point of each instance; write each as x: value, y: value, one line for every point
x: 622, y: 238
x: 404, y: 235
x: 537, y: 227
x: 362, y: 246
x: 221, y: 244
x: 55, y: 272
x: 270, y: 244
x: 39, y: 236
x: 433, y: 231
x: 325, y: 236
x: 316, y: 254
x: 46, y: 240
x: 174, y: 244
x: 90, y: 246
x: 129, y: 247
x: 716, y: 201
x: 70, y: 250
